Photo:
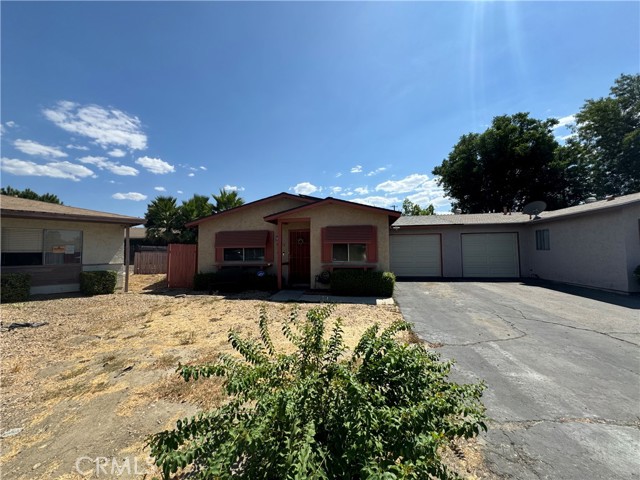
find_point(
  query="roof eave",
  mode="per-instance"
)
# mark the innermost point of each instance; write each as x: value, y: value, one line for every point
x: 71, y: 217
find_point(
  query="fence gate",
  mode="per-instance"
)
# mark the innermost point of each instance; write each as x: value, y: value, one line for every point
x: 150, y: 262
x: 181, y: 265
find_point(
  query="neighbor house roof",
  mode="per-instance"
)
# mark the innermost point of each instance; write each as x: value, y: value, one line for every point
x: 515, y: 217
x: 15, y: 207
x: 304, y: 198
x: 273, y: 218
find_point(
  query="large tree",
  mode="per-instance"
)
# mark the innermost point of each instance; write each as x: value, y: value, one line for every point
x: 196, y: 207
x: 30, y: 195
x: 413, y: 209
x: 608, y: 131
x: 226, y: 200
x: 510, y: 164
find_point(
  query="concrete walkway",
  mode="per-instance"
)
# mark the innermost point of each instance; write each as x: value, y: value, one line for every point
x: 302, y: 296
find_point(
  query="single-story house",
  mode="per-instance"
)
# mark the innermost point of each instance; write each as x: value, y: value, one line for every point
x: 54, y: 243
x: 295, y: 237
x: 596, y: 244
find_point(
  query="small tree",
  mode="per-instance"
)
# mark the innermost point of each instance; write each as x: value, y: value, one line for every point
x: 410, y: 208
x: 385, y: 411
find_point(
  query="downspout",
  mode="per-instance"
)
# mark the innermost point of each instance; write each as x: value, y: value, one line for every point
x: 127, y: 247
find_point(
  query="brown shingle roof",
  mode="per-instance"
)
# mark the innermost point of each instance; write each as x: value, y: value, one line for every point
x: 22, y: 208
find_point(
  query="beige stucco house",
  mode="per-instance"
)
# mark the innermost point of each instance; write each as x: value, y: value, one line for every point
x: 596, y: 244
x: 296, y: 237
x: 54, y: 243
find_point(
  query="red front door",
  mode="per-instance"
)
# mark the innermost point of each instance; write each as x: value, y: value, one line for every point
x: 299, y: 257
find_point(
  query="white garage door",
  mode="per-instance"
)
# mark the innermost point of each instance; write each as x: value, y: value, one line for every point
x: 415, y: 255
x: 490, y: 255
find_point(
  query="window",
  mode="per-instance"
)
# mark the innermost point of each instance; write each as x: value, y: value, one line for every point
x: 243, y: 254
x: 542, y: 240
x: 349, y: 252
x: 249, y: 246
x: 349, y: 243
x: 34, y: 246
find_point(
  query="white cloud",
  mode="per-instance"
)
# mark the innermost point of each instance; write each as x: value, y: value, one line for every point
x: 116, y: 152
x: 407, y: 184
x: 10, y: 124
x: 3, y: 127
x: 191, y: 175
x: 335, y: 190
x: 180, y: 192
x: 34, y: 148
x: 155, y: 165
x: 347, y: 193
x: 361, y: 190
x: 202, y: 168
x: 233, y: 188
x: 77, y: 147
x: 379, y: 201
x: 356, y: 169
x: 66, y: 170
x: 565, y: 121
x: 135, y: 196
x: 114, y: 167
x: 305, y: 188
x: 160, y: 189
x: 376, y: 171
x: 338, y: 175
x: 106, y: 126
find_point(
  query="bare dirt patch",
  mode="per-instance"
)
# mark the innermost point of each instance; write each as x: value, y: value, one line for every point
x: 100, y: 376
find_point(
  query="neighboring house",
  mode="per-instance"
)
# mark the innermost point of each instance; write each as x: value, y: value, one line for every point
x: 295, y: 237
x: 54, y: 243
x: 596, y: 244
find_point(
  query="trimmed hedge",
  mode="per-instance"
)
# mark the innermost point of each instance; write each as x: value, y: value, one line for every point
x: 362, y: 283
x: 234, y: 280
x: 15, y: 287
x: 100, y: 282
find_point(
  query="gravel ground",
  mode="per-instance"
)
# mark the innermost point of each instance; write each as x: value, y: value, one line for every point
x: 81, y: 393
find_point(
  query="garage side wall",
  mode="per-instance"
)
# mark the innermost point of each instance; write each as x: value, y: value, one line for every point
x: 631, y: 226
x: 589, y: 250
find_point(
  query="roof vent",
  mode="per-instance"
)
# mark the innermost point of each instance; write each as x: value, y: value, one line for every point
x: 590, y: 200
x: 457, y: 211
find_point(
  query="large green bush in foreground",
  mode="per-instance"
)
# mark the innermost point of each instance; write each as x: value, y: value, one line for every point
x: 362, y: 282
x: 99, y: 282
x: 381, y: 412
x: 15, y: 287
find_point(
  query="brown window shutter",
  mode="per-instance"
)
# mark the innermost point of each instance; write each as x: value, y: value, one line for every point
x: 219, y: 254
x: 268, y: 249
x: 242, y: 239
x: 326, y: 246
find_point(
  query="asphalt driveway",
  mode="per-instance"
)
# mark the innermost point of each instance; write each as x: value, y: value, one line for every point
x: 562, y: 367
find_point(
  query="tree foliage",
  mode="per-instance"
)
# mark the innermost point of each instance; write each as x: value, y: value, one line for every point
x: 226, y: 200
x: 608, y: 130
x: 163, y: 219
x: 510, y: 164
x: 384, y: 411
x: 30, y: 195
x: 518, y: 160
x: 410, y: 208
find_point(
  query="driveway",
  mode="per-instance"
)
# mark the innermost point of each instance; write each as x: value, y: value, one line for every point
x: 562, y: 367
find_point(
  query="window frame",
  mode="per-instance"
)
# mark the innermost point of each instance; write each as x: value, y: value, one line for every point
x: 349, y: 259
x: 243, y: 251
x: 543, y: 240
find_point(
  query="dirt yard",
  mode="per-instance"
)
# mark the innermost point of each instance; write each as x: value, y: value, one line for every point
x: 81, y: 393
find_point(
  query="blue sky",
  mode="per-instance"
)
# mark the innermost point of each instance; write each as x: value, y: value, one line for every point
x: 109, y: 104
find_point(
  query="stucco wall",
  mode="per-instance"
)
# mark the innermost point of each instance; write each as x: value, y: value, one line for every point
x: 102, y: 247
x: 631, y: 225
x: 250, y: 217
x: 337, y: 215
x: 589, y: 250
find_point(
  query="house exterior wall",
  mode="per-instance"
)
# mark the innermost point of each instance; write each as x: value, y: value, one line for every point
x: 339, y: 215
x: 596, y: 250
x: 250, y: 217
x: 102, y: 249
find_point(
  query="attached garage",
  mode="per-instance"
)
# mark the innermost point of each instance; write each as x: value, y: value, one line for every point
x: 416, y: 255
x: 491, y: 255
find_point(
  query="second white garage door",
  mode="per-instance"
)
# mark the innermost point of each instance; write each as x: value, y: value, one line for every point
x: 415, y: 255
x: 490, y: 255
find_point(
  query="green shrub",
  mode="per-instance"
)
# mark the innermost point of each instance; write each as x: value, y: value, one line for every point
x: 100, y: 282
x: 234, y: 280
x: 15, y: 287
x: 636, y: 272
x: 382, y: 412
x: 362, y: 282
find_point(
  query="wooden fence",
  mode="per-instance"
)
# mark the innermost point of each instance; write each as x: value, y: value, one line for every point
x: 150, y: 262
x: 181, y: 265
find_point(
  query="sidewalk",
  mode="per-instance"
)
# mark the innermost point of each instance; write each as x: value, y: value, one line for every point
x: 301, y: 296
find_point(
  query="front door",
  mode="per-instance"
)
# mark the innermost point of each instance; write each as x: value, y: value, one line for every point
x: 299, y: 257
